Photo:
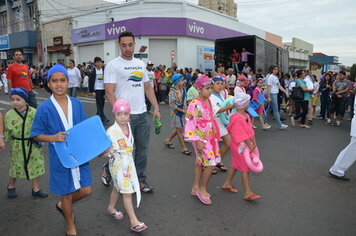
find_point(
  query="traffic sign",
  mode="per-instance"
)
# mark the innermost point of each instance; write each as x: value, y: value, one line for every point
x: 173, y: 54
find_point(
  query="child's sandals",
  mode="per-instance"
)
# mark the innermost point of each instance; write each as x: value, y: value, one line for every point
x: 252, y: 197
x: 204, y: 199
x: 118, y: 215
x: 139, y: 228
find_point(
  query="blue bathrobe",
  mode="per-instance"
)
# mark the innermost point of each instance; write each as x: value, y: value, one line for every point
x: 48, y: 122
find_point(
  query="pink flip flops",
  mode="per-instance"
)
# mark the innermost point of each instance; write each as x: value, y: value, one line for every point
x: 204, y: 199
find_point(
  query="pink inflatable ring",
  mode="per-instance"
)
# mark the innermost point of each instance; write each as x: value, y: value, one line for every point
x: 252, y: 159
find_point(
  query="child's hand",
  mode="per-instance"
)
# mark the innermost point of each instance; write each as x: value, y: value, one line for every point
x: 230, y: 107
x: 252, y: 147
x: 59, y: 137
x: 200, y: 147
x: 106, y: 153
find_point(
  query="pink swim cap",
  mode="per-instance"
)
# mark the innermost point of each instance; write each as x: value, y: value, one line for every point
x: 121, y: 105
x: 241, y: 100
x: 203, y: 81
x: 243, y: 78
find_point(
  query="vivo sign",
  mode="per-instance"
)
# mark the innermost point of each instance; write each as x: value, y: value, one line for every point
x: 115, y: 30
x: 152, y: 26
x: 193, y: 28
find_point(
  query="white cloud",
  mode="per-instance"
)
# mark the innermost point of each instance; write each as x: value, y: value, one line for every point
x: 328, y: 24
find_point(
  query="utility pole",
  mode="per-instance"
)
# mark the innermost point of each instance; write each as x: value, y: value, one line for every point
x: 41, y: 54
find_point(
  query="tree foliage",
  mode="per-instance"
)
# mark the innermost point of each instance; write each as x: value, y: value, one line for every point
x: 353, y: 71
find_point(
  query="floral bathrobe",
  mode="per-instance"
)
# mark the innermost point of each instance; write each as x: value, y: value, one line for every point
x: 201, y: 126
x: 121, y: 163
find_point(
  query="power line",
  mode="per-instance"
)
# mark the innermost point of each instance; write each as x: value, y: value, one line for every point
x: 80, y: 9
x: 54, y: 7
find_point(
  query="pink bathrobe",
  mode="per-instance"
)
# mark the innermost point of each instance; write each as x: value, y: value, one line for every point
x: 240, y: 129
x: 201, y: 126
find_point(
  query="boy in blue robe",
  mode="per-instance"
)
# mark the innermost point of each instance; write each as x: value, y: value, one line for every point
x: 53, y: 118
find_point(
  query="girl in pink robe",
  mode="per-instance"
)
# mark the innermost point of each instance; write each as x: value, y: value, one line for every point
x: 202, y: 130
x: 243, y: 136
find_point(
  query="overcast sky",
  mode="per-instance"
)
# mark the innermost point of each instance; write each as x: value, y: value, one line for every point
x: 330, y: 25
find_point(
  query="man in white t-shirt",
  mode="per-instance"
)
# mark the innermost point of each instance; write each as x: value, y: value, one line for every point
x: 126, y: 77
x: 151, y: 77
x: 231, y: 80
x: 96, y: 86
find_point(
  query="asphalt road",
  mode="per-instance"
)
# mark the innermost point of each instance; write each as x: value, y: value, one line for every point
x: 298, y: 196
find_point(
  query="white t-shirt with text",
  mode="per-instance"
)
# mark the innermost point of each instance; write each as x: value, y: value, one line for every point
x: 129, y: 76
x: 99, y: 80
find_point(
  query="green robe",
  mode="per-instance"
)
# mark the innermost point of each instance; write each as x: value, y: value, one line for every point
x: 13, y: 129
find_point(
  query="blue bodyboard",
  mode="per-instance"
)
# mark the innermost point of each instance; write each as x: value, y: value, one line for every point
x: 261, y: 98
x: 252, y: 112
x: 86, y: 140
x: 254, y: 105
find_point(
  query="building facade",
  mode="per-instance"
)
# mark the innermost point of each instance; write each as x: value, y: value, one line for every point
x: 227, y: 7
x: 329, y: 63
x: 171, y: 31
x: 21, y: 27
x: 299, y: 52
x: 58, y: 42
x: 18, y: 30
x: 56, y: 23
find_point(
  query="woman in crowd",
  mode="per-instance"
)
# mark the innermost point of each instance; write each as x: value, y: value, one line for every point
x: 74, y: 79
x: 324, y: 90
x: 301, y: 104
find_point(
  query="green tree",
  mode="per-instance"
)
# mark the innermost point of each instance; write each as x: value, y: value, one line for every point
x: 353, y: 71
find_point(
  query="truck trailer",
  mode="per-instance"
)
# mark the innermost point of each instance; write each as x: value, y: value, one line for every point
x: 265, y: 54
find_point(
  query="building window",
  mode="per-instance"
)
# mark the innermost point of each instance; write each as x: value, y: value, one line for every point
x: 32, y: 15
x: 3, y: 24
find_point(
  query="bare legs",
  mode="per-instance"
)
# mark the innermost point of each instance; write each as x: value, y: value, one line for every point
x: 35, y: 183
x: 177, y: 132
x: 171, y: 136
x: 201, y: 179
x: 12, y: 183
x: 127, y: 199
x: 245, y: 182
x: 66, y: 204
x: 114, y: 196
x: 229, y: 177
x: 181, y: 139
x: 226, y: 146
